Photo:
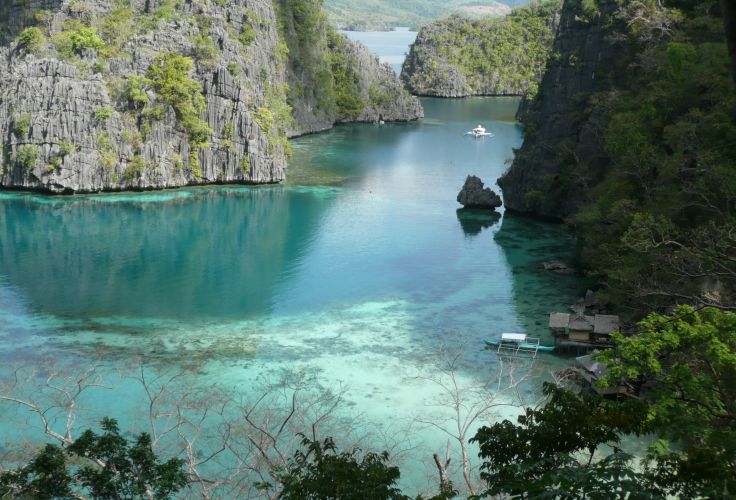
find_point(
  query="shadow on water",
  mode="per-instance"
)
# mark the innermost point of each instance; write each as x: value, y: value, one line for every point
x: 215, y: 253
x: 475, y: 221
x: 527, y: 243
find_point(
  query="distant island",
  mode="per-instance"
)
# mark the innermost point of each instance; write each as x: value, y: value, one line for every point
x: 459, y: 56
x: 383, y: 15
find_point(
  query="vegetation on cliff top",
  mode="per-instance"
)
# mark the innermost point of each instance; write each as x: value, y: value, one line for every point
x: 494, y: 55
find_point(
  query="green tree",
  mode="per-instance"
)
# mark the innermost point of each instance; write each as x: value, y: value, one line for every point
x: 32, y: 39
x: 347, y: 91
x: 552, y: 451
x: 111, y: 468
x: 323, y: 473
x: 689, y: 363
x: 45, y: 477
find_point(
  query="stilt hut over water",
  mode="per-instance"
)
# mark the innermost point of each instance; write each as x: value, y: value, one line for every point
x: 581, y: 330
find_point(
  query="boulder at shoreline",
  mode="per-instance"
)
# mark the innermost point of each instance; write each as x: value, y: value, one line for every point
x: 474, y: 195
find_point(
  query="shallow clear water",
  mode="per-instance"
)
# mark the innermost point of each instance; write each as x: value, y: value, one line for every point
x: 356, y: 269
x: 390, y: 46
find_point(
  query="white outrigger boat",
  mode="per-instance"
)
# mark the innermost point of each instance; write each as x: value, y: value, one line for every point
x: 515, y: 344
x: 479, y: 131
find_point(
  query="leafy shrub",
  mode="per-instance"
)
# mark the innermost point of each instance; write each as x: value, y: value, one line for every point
x: 169, y: 76
x: 104, y: 113
x: 76, y: 38
x: 102, y: 465
x: 22, y: 125
x: 28, y: 155
x: 247, y: 34
x: 31, y: 39
x: 264, y: 119
x: 227, y: 142
x: 135, y: 90
x: 66, y: 148
x: 135, y: 168
x: 155, y: 113
x: 590, y: 9
x: 177, y: 162
x: 205, y: 51
x: 117, y: 27
x: 82, y: 10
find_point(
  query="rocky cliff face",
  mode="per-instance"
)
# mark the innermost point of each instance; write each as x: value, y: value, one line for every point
x: 147, y: 94
x: 562, y: 156
x: 459, y: 57
x: 331, y: 79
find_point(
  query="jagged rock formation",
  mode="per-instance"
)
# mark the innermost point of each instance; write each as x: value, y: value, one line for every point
x: 361, y: 89
x: 474, y: 195
x: 459, y: 57
x: 100, y: 95
x: 561, y: 130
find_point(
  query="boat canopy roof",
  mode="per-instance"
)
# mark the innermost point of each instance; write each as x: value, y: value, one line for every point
x: 516, y: 337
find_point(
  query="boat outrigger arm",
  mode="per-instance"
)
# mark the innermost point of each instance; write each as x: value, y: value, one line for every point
x: 518, y: 344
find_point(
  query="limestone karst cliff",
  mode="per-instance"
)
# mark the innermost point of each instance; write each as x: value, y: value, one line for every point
x: 144, y: 94
x: 630, y: 139
x: 588, y: 56
x: 459, y: 56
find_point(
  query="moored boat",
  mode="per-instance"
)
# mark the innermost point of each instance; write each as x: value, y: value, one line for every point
x: 522, y: 345
x: 479, y: 131
x: 516, y: 344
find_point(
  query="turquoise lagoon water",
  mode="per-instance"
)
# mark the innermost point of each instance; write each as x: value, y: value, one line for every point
x: 356, y: 270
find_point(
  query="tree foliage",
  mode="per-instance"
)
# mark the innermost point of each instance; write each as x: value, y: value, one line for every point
x: 169, y: 76
x: 689, y: 362
x: 686, y: 365
x: 324, y: 473
x: 322, y: 67
x: 75, y: 38
x: 110, y: 468
x: 31, y: 39
x: 348, y: 96
x: 28, y: 156
x: 552, y: 449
